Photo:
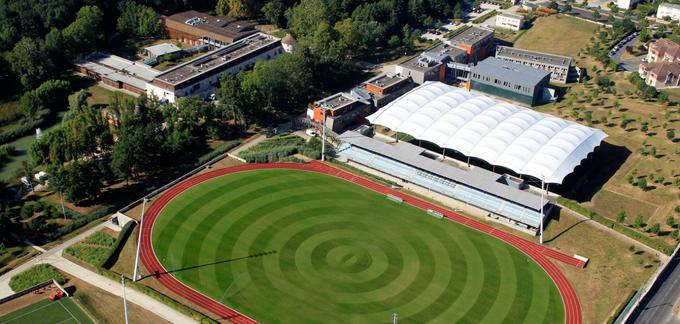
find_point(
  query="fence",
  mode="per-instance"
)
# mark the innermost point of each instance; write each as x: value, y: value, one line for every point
x: 32, y: 289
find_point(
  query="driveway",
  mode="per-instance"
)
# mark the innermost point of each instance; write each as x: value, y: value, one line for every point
x: 628, y: 65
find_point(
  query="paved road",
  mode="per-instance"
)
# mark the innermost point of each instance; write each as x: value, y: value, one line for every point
x: 657, y: 308
x: 54, y: 257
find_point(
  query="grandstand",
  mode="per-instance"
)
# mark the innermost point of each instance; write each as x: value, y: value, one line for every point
x: 523, y: 141
x: 492, y: 192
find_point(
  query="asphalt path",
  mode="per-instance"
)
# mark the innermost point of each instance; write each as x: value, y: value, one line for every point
x: 657, y: 307
x: 628, y: 65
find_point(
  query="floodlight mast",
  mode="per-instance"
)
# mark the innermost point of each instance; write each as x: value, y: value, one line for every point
x: 122, y: 281
x: 323, y: 135
x: 135, y: 276
x: 542, y: 211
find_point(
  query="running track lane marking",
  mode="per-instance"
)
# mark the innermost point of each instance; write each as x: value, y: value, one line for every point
x: 538, y: 253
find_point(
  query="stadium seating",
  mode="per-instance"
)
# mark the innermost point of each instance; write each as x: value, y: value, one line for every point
x: 442, y: 185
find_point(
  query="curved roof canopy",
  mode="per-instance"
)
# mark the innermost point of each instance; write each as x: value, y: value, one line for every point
x: 520, y: 139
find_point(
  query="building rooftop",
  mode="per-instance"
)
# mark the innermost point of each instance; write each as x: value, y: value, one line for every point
x: 217, y: 58
x: 527, y: 55
x: 385, y: 81
x: 504, y: 70
x: 670, y: 5
x: 511, y: 15
x: 500, y: 133
x: 162, y: 49
x: 433, y: 56
x: 662, y: 69
x: 118, y: 69
x: 469, y: 36
x: 336, y: 101
x: 225, y: 26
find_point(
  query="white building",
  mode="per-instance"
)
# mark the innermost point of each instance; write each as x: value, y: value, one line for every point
x: 509, y: 21
x: 201, y: 76
x: 626, y: 4
x: 668, y: 10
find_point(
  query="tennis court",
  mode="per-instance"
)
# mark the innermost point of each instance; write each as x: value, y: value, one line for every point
x: 63, y: 311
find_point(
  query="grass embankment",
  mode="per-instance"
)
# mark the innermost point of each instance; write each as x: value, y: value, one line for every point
x: 265, y: 242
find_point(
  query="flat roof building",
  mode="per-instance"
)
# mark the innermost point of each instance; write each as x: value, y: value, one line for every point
x: 162, y: 49
x: 671, y: 10
x: 430, y: 65
x: 511, y: 81
x: 200, y: 76
x: 385, y: 88
x: 475, y: 41
x: 510, y: 21
x: 201, y: 28
x: 341, y: 111
x: 559, y: 66
x: 116, y: 71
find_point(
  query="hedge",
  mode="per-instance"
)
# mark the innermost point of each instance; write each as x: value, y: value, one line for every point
x: 20, y: 131
x: 114, y: 251
x: 484, y: 17
x: 79, y: 221
x: 200, y: 317
x: 225, y: 147
x: 35, y: 275
x: 627, y: 231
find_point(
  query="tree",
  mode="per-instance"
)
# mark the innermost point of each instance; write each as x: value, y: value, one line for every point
x: 588, y: 117
x: 394, y: 41
x: 29, y: 104
x: 222, y: 7
x: 670, y: 221
x: 670, y: 134
x: 655, y: 229
x: 281, y: 84
x: 274, y: 12
x: 137, y: 19
x: 639, y: 222
x: 457, y: 11
x: 304, y: 18
x: 29, y: 60
x: 621, y: 216
x: 567, y: 8
x: 642, y: 183
x: 85, y: 33
x: 644, y: 128
x: 652, y: 151
x: 596, y: 14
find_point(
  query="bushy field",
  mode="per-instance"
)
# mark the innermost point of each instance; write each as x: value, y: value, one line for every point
x: 34, y: 276
x: 282, y: 148
x: 95, y: 249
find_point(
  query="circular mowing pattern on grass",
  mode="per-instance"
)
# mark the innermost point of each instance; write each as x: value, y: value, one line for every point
x: 297, y: 247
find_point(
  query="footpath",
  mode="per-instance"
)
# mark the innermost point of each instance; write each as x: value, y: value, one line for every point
x: 54, y: 257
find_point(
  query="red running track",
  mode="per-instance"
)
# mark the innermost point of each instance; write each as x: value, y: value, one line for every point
x: 537, y: 252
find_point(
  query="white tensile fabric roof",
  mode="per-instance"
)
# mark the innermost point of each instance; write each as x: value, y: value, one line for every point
x: 520, y: 139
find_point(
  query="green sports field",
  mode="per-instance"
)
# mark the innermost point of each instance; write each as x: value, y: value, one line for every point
x: 285, y: 246
x: 45, y: 311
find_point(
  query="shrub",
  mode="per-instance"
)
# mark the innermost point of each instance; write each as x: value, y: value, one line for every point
x: 639, y: 222
x: 93, y: 255
x: 100, y: 238
x: 655, y: 229
x: 34, y: 276
x: 218, y: 151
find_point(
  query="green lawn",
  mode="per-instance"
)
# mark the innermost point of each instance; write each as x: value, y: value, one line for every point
x: 558, y: 34
x: 286, y: 246
x: 64, y: 311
